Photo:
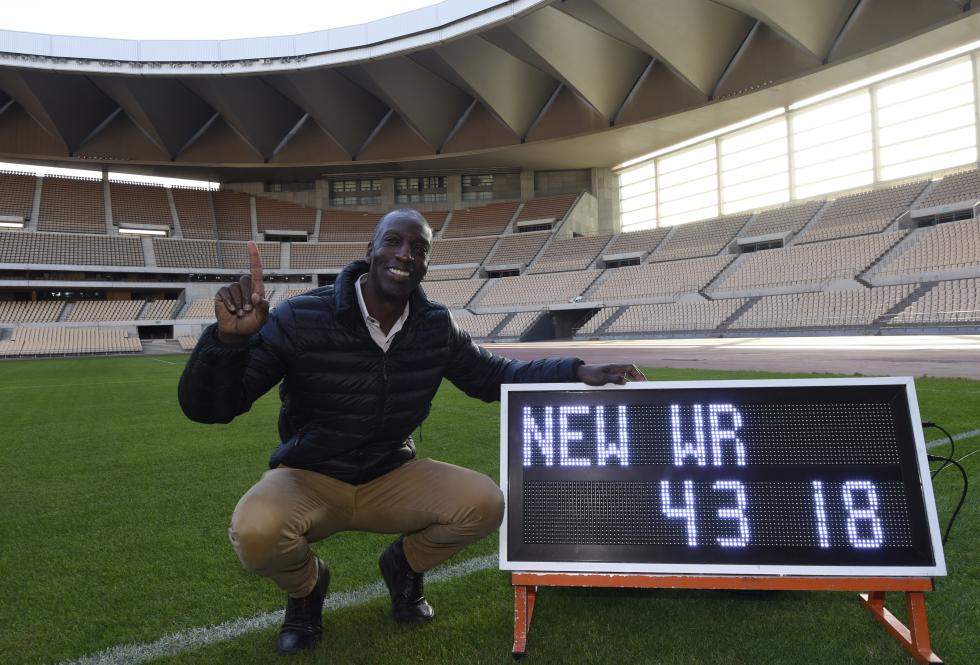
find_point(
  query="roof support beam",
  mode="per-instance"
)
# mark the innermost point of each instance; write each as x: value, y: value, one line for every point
x: 345, y: 111
x: 430, y: 104
x: 69, y: 107
x: 695, y: 38
x: 250, y: 106
x: 812, y: 25
x: 514, y: 90
x: 167, y: 112
x: 600, y: 68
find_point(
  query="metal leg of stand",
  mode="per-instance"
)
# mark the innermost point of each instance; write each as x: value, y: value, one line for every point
x: 524, y: 598
x: 915, y: 637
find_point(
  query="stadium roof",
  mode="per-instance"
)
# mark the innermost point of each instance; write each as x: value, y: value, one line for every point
x: 459, y: 84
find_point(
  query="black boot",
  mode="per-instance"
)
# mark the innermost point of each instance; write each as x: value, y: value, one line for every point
x: 405, y: 586
x: 302, y: 628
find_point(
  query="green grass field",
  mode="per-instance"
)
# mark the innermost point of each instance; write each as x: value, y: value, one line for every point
x: 113, y: 532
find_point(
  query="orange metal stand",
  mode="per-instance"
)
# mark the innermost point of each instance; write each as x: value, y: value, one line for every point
x: 914, y: 639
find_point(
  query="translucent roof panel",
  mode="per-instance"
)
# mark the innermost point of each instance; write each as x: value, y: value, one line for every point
x: 196, y: 19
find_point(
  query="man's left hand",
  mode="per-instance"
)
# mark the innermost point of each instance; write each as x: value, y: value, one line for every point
x: 599, y: 375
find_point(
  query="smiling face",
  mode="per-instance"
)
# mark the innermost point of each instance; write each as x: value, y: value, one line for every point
x: 399, y: 254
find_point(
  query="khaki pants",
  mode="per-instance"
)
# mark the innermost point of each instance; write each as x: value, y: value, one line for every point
x: 439, y: 507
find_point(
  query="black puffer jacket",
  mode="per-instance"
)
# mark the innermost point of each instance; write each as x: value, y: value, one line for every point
x: 348, y: 409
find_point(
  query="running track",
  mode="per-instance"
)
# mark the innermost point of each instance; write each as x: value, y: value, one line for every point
x: 921, y: 355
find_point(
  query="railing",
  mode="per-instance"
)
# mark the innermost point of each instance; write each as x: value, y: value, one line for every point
x: 948, y: 317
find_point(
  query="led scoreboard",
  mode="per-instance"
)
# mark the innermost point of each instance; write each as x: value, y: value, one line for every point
x: 782, y: 477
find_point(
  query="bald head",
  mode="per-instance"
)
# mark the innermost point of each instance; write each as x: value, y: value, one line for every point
x: 401, y: 213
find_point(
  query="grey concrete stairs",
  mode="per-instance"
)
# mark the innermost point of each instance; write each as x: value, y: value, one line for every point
x: 902, y: 304
x: 724, y: 325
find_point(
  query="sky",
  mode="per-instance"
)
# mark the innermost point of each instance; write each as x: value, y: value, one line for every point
x: 194, y: 19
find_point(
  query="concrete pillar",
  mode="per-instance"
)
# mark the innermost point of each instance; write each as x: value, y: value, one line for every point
x: 323, y: 193
x: 35, y: 206
x: 606, y: 191
x: 454, y: 191
x: 527, y: 185
x: 253, y: 219
x: 107, y: 202
x: 388, y: 193
x: 175, y: 218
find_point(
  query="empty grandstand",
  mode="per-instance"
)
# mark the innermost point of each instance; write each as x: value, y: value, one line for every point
x: 826, y: 214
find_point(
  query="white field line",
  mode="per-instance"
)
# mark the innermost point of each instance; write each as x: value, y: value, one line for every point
x: 956, y: 437
x: 197, y: 638
x: 165, y: 362
x: 75, y: 385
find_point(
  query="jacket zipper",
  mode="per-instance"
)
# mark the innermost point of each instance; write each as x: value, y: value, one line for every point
x: 384, y: 390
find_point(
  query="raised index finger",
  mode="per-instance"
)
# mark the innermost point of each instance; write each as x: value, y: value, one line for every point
x: 255, y: 269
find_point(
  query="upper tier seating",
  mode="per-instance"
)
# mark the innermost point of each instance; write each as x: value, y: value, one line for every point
x: 70, y: 249
x: 25, y: 311
x: 232, y: 214
x: 463, y: 250
x: 194, y: 212
x: 537, y: 289
x: 954, y: 302
x: 660, y: 280
x: 864, y: 213
x: 279, y: 215
x: 72, y: 205
x: 781, y: 220
x: 949, y: 246
x: 517, y: 248
x: 954, y: 188
x: 325, y: 255
x: 453, y: 293
x: 139, y: 204
x: 161, y: 310
x: 347, y: 225
x: 17, y: 194
x: 481, y: 220
x: 176, y: 253
x: 832, y: 309
x: 809, y: 265
x: 705, y: 238
x: 547, y: 207
x: 436, y: 219
x: 477, y: 325
x: 235, y: 255
x: 675, y: 317
x: 105, y: 310
x: 637, y: 241
x: 172, y: 253
x: 436, y: 274
x: 68, y: 341
x: 570, y: 254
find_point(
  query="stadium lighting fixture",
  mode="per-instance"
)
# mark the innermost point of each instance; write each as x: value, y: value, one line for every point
x: 142, y: 232
x: 161, y: 181
x: 774, y: 113
x: 897, y: 71
x: 12, y: 225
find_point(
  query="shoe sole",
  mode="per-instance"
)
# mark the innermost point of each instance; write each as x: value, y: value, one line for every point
x: 385, y: 570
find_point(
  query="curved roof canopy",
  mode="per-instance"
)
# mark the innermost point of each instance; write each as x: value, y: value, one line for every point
x: 435, y: 86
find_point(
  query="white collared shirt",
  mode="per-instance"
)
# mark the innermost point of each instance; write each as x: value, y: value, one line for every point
x: 373, y: 325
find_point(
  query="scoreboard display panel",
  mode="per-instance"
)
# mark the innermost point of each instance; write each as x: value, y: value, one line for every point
x: 776, y: 477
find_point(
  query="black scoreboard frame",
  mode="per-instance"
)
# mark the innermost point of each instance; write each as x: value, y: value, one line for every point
x: 907, y: 430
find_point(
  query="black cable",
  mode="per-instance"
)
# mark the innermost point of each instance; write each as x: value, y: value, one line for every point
x: 966, y: 484
x: 952, y: 444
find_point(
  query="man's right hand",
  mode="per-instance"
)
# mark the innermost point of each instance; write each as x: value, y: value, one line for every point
x: 241, y: 307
